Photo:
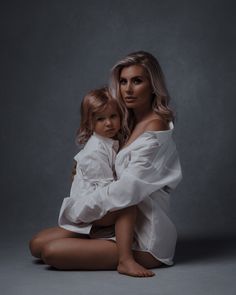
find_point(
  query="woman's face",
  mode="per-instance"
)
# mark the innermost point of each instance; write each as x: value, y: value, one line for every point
x: 135, y: 87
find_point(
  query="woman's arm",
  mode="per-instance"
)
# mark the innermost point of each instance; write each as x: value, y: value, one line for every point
x: 152, y: 166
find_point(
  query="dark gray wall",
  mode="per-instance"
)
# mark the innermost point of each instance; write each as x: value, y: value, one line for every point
x: 53, y: 52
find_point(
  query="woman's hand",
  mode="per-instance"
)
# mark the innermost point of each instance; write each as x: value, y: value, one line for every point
x: 73, y: 172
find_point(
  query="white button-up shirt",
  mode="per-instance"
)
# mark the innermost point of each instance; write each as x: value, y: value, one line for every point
x: 147, y: 170
x: 95, y: 168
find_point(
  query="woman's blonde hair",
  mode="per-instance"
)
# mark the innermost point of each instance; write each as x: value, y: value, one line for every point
x: 94, y: 102
x: 161, y: 96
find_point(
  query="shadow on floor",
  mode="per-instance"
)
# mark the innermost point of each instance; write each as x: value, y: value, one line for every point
x: 196, y: 249
x: 38, y: 261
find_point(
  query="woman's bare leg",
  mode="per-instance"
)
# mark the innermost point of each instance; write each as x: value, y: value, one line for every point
x: 43, y: 237
x: 124, y: 226
x: 89, y: 254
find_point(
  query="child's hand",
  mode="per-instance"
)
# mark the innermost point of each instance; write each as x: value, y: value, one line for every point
x: 73, y: 172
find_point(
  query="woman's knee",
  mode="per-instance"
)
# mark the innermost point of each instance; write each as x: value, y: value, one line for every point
x: 50, y: 254
x: 35, y: 246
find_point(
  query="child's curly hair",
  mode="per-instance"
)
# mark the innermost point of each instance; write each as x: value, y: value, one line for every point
x: 94, y: 102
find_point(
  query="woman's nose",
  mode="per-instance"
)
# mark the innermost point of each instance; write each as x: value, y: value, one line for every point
x: 128, y: 88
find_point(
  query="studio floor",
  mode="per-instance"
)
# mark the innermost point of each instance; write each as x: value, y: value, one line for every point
x: 203, y: 265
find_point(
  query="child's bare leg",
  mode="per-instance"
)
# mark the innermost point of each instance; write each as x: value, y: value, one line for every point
x: 124, y: 228
x: 124, y: 221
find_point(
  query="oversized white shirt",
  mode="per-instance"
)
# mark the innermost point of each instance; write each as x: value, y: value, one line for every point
x: 95, y: 168
x: 147, y: 170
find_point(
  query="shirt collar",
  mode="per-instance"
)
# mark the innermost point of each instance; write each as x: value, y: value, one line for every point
x: 111, y: 142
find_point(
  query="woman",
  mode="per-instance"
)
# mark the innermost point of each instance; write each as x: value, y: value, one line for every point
x: 148, y: 170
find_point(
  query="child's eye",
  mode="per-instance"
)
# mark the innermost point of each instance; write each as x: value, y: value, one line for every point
x: 113, y: 116
x: 99, y: 119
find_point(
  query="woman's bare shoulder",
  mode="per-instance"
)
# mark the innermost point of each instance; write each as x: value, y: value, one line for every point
x: 156, y: 125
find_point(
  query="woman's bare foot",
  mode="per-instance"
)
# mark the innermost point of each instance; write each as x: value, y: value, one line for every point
x: 131, y: 268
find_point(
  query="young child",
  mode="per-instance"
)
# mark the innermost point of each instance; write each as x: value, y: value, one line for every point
x: 100, y: 127
x: 100, y: 132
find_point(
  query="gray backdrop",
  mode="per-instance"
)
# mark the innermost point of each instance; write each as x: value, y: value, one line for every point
x: 53, y: 52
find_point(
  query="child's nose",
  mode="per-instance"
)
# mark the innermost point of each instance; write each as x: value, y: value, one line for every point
x: 108, y: 122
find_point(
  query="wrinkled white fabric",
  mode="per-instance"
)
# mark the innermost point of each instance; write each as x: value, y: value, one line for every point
x: 147, y: 170
x: 95, y: 168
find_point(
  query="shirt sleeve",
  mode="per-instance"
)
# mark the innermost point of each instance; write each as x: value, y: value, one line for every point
x: 96, y: 166
x: 152, y: 166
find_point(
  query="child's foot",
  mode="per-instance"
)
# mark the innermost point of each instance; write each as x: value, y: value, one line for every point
x: 131, y: 268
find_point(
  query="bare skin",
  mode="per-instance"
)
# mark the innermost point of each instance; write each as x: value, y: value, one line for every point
x: 66, y: 250
x: 136, y: 91
x: 124, y: 221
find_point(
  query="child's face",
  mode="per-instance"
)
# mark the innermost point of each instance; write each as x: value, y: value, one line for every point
x: 107, y: 123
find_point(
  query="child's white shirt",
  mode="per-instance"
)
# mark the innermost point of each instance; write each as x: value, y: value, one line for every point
x: 95, y: 168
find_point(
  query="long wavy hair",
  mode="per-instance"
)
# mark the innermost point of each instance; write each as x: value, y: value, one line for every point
x: 160, y: 98
x: 94, y: 102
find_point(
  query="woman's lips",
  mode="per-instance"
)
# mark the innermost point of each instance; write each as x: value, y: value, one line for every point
x: 130, y: 98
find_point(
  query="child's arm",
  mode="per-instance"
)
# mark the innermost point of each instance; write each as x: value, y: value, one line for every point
x: 96, y: 166
x: 152, y: 167
x: 96, y: 169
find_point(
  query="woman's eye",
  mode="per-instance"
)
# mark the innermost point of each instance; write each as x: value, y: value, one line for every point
x: 137, y: 81
x: 122, y: 82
